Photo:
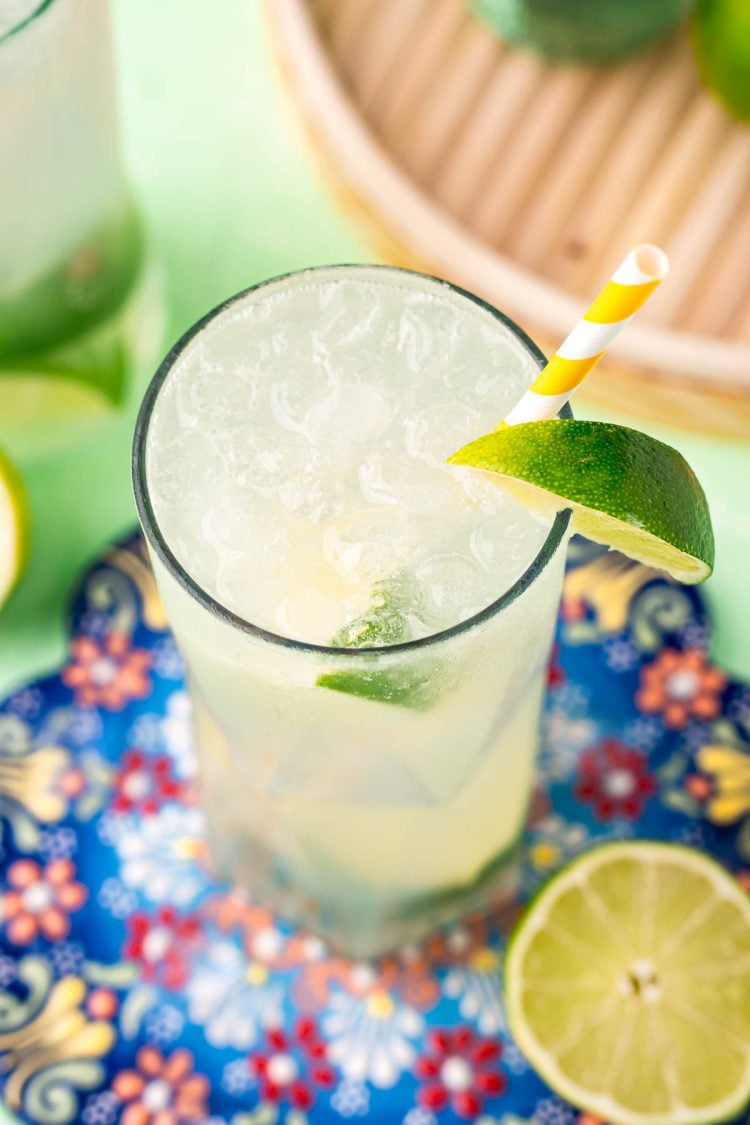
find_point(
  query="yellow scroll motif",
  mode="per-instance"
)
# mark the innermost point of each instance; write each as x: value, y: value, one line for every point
x: 608, y: 583
x: 29, y: 780
x: 134, y: 564
x: 59, y: 1032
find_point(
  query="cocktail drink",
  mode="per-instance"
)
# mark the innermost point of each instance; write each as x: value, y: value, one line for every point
x: 71, y: 249
x: 365, y: 628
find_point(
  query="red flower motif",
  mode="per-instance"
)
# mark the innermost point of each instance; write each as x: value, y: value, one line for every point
x: 680, y: 686
x: 294, y: 1066
x: 144, y: 782
x: 109, y: 674
x: 614, y: 779
x: 459, y: 1069
x: 40, y: 900
x: 555, y: 673
x: 162, y: 1091
x: 573, y: 609
x: 163, y: 943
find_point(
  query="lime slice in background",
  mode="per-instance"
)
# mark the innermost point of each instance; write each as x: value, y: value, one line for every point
x: 627, y: 985
x: 13, y: 527
x: 625, y: 489
x: 721, y: 40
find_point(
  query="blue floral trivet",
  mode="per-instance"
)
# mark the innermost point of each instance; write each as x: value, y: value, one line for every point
x: 135, y: 988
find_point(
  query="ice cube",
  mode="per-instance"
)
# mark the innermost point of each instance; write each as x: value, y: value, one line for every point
x: 264, y: 461
x: 436, y: 432
x: 351, y: 414
x: 367, y: 544
x: 309, y: 614
x: 449, y: 584
x: 214, y: 396
x: 392, y: 478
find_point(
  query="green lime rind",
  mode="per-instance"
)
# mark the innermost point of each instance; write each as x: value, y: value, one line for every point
x: 625, y: 489
x: 403, y: 687
x: 384, y: 624
x: 568, y: 969
x: 721, y: 42
x: 14, y: 527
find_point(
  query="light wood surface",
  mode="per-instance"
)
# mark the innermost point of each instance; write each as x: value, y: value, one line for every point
x: 528, y: 183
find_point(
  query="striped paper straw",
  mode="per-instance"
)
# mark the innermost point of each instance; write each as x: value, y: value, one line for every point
x: 631, y: 285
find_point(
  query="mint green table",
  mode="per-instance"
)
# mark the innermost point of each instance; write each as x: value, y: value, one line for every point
x: 230, y: 198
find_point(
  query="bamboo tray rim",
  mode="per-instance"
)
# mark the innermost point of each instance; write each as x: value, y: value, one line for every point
x: 435, y: 237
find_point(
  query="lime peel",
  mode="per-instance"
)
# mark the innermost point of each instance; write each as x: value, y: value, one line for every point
x: 14, y: 527
x: 643, y: 993
x: 624, y: 488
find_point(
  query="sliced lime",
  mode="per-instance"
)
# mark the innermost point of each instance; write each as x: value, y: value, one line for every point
x: 721, y: 38
x: 13, y: 527
x: 627, y: 985
x: 625, y: 489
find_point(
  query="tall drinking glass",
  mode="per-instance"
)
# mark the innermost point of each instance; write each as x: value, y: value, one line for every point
x: 365, y: 629
x: 75, y: 316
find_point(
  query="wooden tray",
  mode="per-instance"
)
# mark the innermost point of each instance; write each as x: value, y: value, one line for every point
x: 527, y: 183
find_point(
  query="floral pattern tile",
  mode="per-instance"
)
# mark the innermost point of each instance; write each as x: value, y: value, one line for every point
x: 135, y: 988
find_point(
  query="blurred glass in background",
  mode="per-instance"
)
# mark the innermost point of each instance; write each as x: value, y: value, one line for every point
x: 79, y: 308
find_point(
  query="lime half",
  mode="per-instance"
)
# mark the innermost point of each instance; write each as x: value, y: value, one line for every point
x: 13, y: 527
x: 627, y: 985
x: 625, y: 489
x: 721, y: 38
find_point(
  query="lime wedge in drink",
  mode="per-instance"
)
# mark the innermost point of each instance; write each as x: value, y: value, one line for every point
x: 13, y: 527
x: 625, y: 489
x: 627, y: 985
x: 721, y: 38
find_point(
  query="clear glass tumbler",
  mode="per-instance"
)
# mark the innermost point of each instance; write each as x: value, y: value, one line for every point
x: 375, y: 811
x: 74, y: 318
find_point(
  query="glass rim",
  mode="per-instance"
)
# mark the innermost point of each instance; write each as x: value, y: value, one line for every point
x: 184, y: 579
x: 26, y: 20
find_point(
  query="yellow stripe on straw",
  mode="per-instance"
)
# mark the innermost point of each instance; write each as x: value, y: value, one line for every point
x: 631, y: 285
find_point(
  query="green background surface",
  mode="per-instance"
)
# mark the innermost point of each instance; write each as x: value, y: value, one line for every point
x: 229, y: 198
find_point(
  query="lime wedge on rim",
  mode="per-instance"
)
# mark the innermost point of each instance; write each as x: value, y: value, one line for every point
x: 13, y: 527
x: 627, y: 985
x: 625, y: 489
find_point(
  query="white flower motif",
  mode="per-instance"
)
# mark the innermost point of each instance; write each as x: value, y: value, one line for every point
x: 25, y: 703
x: 237, y: 1077
x: 58, y: 843
x: 7, y: 970
x: 100, y: 1109
x: 110, y: 827
x: 551, y: 1111
x: 564, y: 736
x: 233, y: 998
x: 644, y: 732
x: 84, y: 726
x: 476, y: 987
x: 514, y: 1059
x: 146, y: 733
x: 620, y: 655
x: 351, y: 1099
x: 163, y: 1024
x: 166, y: 660
x: 177, y: 732
x: 370, y: 1037
x: 419, y: 1116
x: 158, y: 855
x: 694, y: 634
x: 115, y: 898
x: 66, y: 958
